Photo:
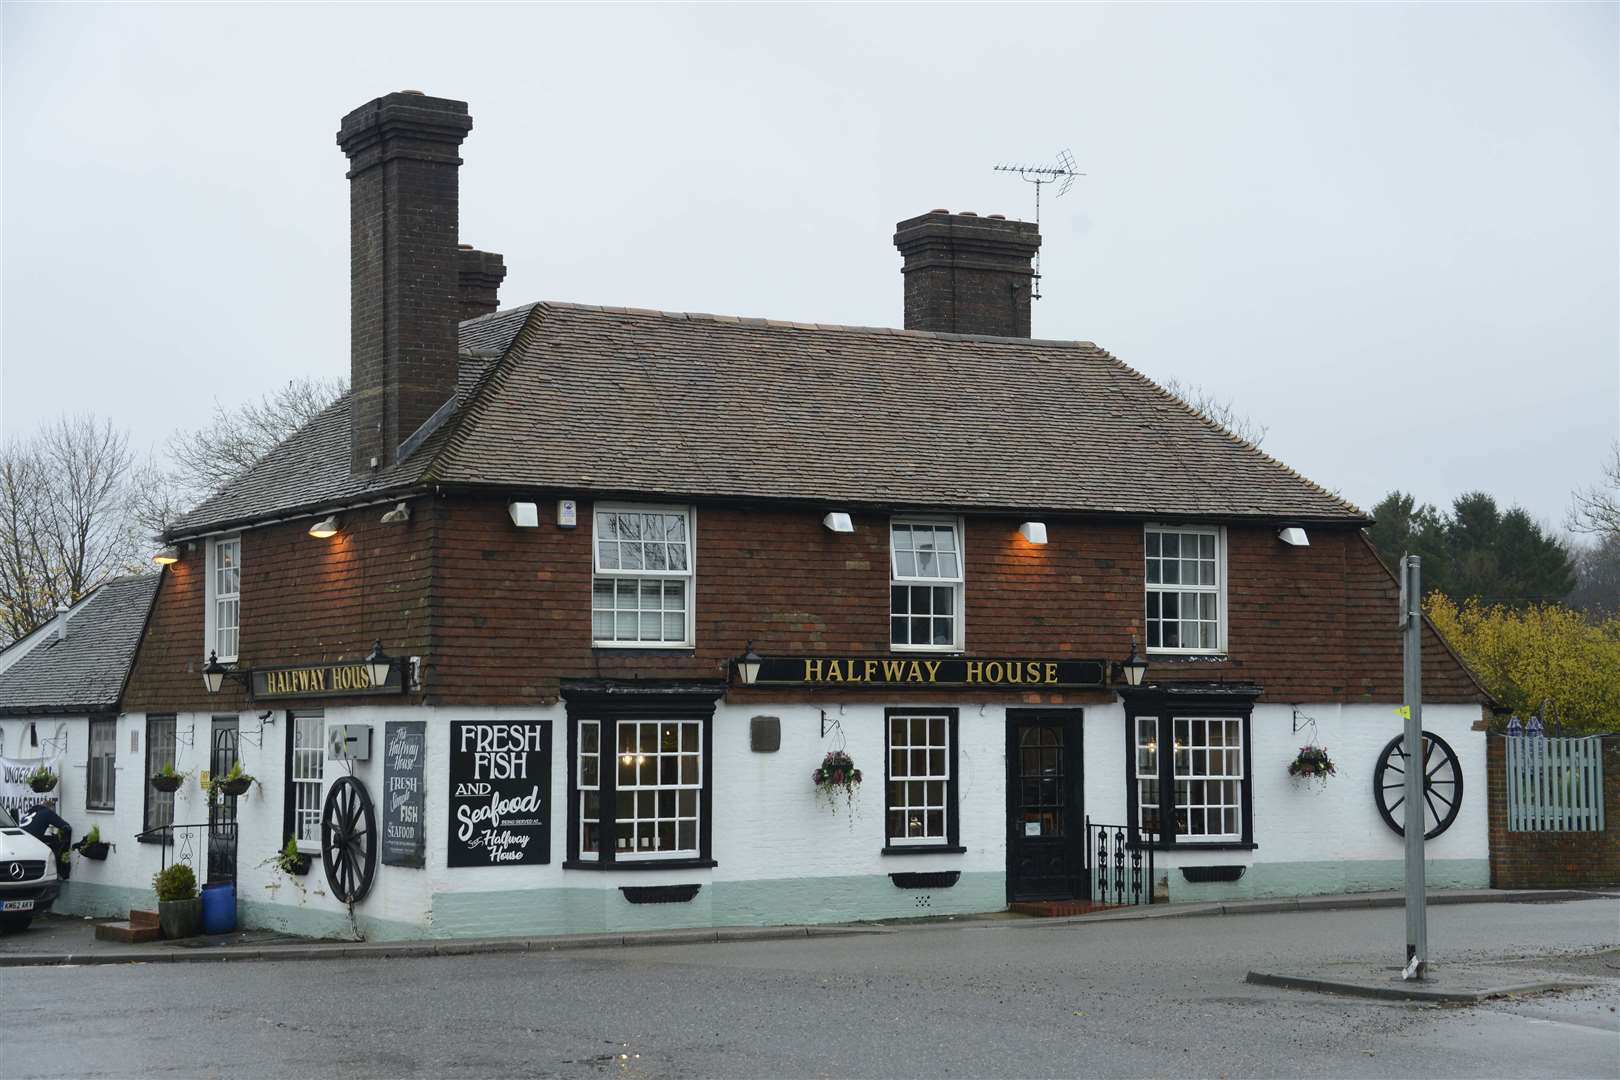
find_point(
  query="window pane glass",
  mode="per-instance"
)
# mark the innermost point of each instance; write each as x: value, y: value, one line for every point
x: 905, y: 564
x: 1206, y: 547
x: 607, y: 555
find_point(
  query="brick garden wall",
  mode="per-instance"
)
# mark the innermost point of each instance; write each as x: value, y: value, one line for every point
x: 1546, y: 860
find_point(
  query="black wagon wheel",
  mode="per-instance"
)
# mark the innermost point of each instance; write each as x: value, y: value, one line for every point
x: 349, y: 840
x: 1442, y: 784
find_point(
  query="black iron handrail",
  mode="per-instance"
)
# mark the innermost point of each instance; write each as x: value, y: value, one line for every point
x: 164, y: 836
x: 1116, y: 872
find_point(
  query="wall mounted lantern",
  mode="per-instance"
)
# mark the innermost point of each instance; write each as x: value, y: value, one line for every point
x: 1033, y: 531
x: 325, y: 528
x: 1133, y: 667
x: 215, y: 673
x: 748, y: 665
x: 378, y: 664
x: 167, y: 555
x: 838, y: 522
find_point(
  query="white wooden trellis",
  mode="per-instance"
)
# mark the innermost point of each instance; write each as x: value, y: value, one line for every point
x: 1554, y: 785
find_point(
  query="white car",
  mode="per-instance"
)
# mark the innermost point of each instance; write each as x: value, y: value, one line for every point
x: 28, y: 880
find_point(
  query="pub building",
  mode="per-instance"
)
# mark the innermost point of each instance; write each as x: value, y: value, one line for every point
x: 552, y: 623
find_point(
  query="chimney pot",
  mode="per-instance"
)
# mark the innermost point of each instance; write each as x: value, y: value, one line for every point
x: 966, y: 213
x: 967, y: 274
x: 478, y: 280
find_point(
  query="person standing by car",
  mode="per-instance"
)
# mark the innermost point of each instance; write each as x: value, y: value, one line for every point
x: 49, y: 828
x: 29, y: 882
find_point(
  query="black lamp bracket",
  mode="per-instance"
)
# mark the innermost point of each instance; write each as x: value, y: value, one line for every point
x: 1301, y: 721
x: 832, y: 723
x: 187, y: 737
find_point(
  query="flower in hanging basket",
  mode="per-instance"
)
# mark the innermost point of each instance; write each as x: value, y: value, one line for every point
x: 167, y: 779
x: 1312, y: 763
x: 232, y: 784
x: 837, y: 775
x: 42, y: 779
x: 93, y: 846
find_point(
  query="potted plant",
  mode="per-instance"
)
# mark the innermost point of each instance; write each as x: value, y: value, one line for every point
x: 233, y: 784
x: 42, y: 779
x: 1312, y: 763
x: 179, y: 908
x: 289, y: 860
x: 167, y: 778
x: 93, y: 846
x: 837, y: 775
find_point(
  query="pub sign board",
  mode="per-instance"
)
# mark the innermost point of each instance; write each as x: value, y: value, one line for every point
x: 997, y: 673
x: 323, y: 680
x: 500, y: 792
x: 404, y: 838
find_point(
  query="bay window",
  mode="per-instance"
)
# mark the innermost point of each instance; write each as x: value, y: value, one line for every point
x: 1189, y: 769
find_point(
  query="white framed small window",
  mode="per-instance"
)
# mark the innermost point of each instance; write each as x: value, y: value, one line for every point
x: 642, y: 572
x: 920, y: 781
x: 658, y: 787
x: 925, y: 585
x: 308, y: 764
x: 1209, y: 778
x: 223, y: 612
x: 1186, y: 589
x: 1147, y: 775
x: 590, y: 788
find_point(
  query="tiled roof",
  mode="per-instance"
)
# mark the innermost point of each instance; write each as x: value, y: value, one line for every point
x: 84, y: 671
x: 630, y: 401
x: 659, y: 403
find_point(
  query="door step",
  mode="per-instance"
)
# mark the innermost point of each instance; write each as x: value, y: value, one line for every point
x: 142, y: 918
x: 127, y: 932
x: 1051, y: 909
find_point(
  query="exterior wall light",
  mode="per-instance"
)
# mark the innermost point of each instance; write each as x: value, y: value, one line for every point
x: 525, y: 515
x: 399, y: 514
x: 1033, y: 531
x: 325, y: 528
x: 1294, y: 537
x: 1133, y: 666
x: 215, y: 673
x: 167, y: 556
x: 838, y: 522
x: 378, y: 664
x: 748, y: 665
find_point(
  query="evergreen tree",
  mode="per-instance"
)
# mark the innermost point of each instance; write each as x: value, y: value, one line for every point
x: 1476, y: 551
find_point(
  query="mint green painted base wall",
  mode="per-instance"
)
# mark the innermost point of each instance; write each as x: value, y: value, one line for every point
x: 1319, y: 878
x: 720, y: 903
x: 100, y: 901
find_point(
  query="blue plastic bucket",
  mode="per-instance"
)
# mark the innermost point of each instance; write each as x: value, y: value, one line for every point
x: 219, y: 908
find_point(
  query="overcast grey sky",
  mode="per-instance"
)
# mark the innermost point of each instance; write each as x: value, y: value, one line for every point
x: 1390, y: 233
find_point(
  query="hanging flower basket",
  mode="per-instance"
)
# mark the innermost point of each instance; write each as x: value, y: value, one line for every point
x: 1312, y: 763
x: 167, y: 779
x: 837, y: 775
x: 234, y: 787
x: 42, y: 780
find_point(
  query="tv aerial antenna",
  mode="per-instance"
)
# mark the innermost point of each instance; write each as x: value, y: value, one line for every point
x: 1060, y: 173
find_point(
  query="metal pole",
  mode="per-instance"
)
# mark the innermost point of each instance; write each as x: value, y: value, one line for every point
x: 1417, y: 932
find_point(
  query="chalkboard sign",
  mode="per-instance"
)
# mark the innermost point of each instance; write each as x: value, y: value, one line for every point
x: 500, y: 792
x: 404, y: 841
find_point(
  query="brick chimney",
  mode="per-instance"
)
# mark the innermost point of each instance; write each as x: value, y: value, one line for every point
x: 479, y: 274
x: 967, y: 274
x: 403, y: 154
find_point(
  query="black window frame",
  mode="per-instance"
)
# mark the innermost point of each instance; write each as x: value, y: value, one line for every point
x: 953, y: 803
x: 111, y: 794
x: 1166, y: 705
x: 607, y: 707
x: 147, y: 824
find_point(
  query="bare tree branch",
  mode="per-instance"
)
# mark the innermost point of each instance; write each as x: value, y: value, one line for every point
x: 1221, y: 411
x: 208, y: 458
x: 1596, y: 509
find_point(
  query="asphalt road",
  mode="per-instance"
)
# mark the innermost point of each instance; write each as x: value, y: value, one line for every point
x: 1152, y: 998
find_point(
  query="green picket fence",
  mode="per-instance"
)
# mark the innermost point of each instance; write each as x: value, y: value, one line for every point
x: 1554, y: 785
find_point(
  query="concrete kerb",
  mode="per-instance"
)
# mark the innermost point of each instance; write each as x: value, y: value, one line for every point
x: 1400, y: 991
x: 171, y: 954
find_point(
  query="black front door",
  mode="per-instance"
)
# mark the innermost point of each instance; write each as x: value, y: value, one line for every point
x: 1045, y: 834
x: 225, y: 736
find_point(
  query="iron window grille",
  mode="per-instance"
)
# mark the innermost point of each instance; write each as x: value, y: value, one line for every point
x: 160, y: 751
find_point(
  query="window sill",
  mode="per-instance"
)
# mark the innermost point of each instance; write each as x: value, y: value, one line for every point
x: 1194, y: 845
x: 924, y: 849
x: 165, y: 841
x: 100, y: 810
x: 1207, y: 657
x: 640, y: 864
x: 636, y: 646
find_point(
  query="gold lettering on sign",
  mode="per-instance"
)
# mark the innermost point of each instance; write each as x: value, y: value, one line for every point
x: 812, y: 670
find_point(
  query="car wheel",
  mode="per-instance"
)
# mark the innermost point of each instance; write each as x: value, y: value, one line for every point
x: 14, y: 924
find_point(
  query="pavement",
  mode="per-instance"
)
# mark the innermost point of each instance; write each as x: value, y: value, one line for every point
x: 57, y: 939
x: 1160, y: 996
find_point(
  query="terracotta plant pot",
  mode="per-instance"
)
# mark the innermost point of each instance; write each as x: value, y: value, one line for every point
x: 166, y: 783
x: 180, y: 918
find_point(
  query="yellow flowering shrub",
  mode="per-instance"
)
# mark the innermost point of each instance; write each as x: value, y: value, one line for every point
x: 1528, y: 655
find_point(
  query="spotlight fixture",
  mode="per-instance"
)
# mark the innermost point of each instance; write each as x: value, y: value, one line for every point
x: 167, y: 555
x: 400, y: 513
x: 1294, y: 537
x: 838, y: 522
x: 1033, y: 531
x: 525, y: 515
x: 325, y: 528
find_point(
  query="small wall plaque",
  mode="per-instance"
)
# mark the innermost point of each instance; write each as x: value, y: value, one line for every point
x: 765, y: 734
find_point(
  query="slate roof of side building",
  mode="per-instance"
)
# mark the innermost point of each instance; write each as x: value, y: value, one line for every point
x: 85, y: 671
x: 568, y: 397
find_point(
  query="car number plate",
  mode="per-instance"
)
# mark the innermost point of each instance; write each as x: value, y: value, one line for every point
x: 16, y: 905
